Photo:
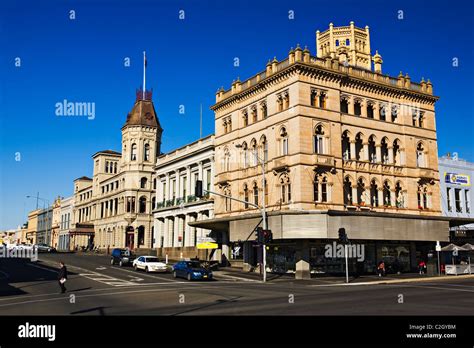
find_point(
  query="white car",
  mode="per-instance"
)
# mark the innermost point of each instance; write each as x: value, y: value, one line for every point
x: 149, y: 264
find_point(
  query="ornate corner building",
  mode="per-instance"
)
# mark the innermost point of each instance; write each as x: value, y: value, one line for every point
x: 343, y: 145
x: 114, y: 207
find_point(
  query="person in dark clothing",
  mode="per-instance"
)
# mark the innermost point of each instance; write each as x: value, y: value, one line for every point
x: 62, y: 276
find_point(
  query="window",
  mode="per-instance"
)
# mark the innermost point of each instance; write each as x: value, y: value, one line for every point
x: 245, y: 154
x: 337, y: 43
x: 255, y: 193
x: 264, y: 145
x: 420, y: 119
x: 153, y: 203
x: 115, y: 167
x: 467, y: 200
x: 357, y: 108
x: 399, y: 198
x: 133, y: 155
x: 318, y: 141
x: 279, y: 103
x: 106, y: 166
x: 348, y: 42
x: 322, y: 100
x: 286, y: 100
x: 414, y: 117
x: 457, y: 200
x: 254, y: 114
x: 314, y: 97
x: 348, y: 199
x: 344, y: 105
x: 346, y: 148
x: 130, y: 205
x: 284, y: 141
x: 246, y: 196
x: 143, y: 182
x: 285, y: 189
x: 185, y: 184
x: 264, y: 110
x: 387, y: 197
x: 384, y: 151
x: 165, y: 193
x: 154, y: 184
x: 382, y: 112
x: 374, y: 197
x: 228, y: 201
x: 254, y: 152
x: 420, y: 156
x: 370, y: 111
x: 422, y: 197
x: 372, y: 150
x: 226, y: 160
x: 320, y: 189
x: 142, y: 203
x: 359, y: 147
x: 394, y: 114
x: 448, y: 199
x: 245, y: 118
x: 396, y: 153
x: 146, y: 156
x: 208, y: 179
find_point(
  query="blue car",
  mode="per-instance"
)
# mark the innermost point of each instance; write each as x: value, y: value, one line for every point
x: 191, y: 270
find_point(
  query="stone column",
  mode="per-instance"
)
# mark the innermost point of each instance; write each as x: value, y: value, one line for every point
x: 350, y: 106
x: 353, y: 150
x: 178, y: 184
x: 166, y: 194
x: 366, y: 151
x: 393, y: 201
x: 390, y: 155
x: 320, y: 193
x: 200, y: 175
x: 376, y: 107
x: 176, y: 229
x: 303, y: 270
x: 354, y: 195
x: 378, y: 153
x: 380, y: 196
x: 189, y: 189
x: 166, y: 239
x: 363, y: 108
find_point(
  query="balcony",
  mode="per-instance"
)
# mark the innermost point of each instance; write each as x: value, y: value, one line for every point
x: 280, y: 164
x: 323, y: 160
x: 223, y: 178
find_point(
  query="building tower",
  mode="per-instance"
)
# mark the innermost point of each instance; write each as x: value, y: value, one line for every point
x: 348, y: 44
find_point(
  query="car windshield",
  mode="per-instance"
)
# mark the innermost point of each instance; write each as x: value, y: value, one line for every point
x: 193, y: 264
x: 126, y: 253
x: 152, y: 259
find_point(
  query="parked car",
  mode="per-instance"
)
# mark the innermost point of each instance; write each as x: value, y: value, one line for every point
x: 191, y: 270
x: 45, y: 248
x: 122, y: 257
x: 150, y: 264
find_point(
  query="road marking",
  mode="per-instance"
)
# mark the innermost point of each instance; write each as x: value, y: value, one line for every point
x: 239, y: 278
x: 437, y: 287
x: 101, y: 268
x: 144, y: 274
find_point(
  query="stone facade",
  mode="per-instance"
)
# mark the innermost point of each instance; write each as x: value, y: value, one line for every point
x: 176, y: 204
x: 115, y: 205
x: 334, y: 136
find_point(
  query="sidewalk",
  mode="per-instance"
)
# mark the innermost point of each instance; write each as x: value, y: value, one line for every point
x: 323, y: 280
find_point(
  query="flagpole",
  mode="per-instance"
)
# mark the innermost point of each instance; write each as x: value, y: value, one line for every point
x: 144, y: 74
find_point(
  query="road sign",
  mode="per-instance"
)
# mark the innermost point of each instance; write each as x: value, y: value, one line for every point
x: 438, y: 246
x: 206, y: 243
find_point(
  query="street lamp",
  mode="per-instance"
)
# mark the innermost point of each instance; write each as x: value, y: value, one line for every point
x: 45, y: 201
x: 262, y: 210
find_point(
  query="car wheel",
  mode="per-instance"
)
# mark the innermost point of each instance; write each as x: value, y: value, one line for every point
x: 189, y: 276
x: 146, y: 269
x: 120, y: 263
x: 112, y: 262
x: 175, y: 275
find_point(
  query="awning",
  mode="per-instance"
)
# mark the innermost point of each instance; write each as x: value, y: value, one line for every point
x: 82, y: 229
x: 453, y: 247
x: 468, y: 246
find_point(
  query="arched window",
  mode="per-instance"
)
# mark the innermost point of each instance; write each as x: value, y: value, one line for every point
x: 348, y: 199
x: 357, y: 108
x: 370, y: 110
x: 374, y: 193
x: 245, y: 118
x: 146, y: 153
x: 153, y: 203
x: 253, y: 111
x: 372, y: 150
x: 143, y: 182
x: 318, y: 140
x: 263, y: 109
x: 396, y: 153
x: 337, y: 43
x: 253, y: 148
x: 133, y: 154
x: 361, y: 194
x: 115, y: 167
x: 142, y: 205
x: 264, y: 146
x: 359, y: 147
x: 344, y: 105
x: 346, y: 148
x: 284, y: 141
x: 422, y: 196
x: 394, y: 114
x: 387, y: 195
x: 320, y: 189
x: 154, y: 184
x: 384, y: 151
x: 382, y: 112
x: 399, y: 198
x: 285, y: 188
x: 245, y: 154
x: 226, y: 160
x: 255, y: 193
x: 420, y: 156
x: 322, y: 100
x: 246, y: 196
x: 228, y: 201
x: 314, y: 97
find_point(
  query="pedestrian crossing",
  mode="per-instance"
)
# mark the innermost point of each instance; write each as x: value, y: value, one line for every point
x: 105, y: 279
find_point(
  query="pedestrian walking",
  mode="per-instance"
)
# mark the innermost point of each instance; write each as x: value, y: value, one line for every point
x: 381, y: 269
x: 422, y: 267
x: 62, y: 276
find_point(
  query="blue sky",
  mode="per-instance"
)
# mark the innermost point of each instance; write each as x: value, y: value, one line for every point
x: 188, y: 60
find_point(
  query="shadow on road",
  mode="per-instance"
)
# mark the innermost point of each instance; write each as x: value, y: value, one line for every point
x: 217, y: 302
x: 100, y: 311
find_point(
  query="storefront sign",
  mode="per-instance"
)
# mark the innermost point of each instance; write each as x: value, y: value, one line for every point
x: 206, y: 243
x: 457, y: 179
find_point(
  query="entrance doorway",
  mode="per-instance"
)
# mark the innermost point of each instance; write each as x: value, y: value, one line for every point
x: 129, y: 237
x: 141, y: 236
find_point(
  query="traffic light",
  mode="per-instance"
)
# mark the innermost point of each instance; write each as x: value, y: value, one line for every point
x: 343, y: 236
x: 267, y: 236
x: 198, y: 189
x: 260, y: 236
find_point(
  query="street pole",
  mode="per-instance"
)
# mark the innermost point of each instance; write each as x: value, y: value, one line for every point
x: 439, y: 266
x: 347, y: 263
x: 264, y: 217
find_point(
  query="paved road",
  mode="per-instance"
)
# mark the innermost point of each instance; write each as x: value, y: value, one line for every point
x: 97, y: 288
